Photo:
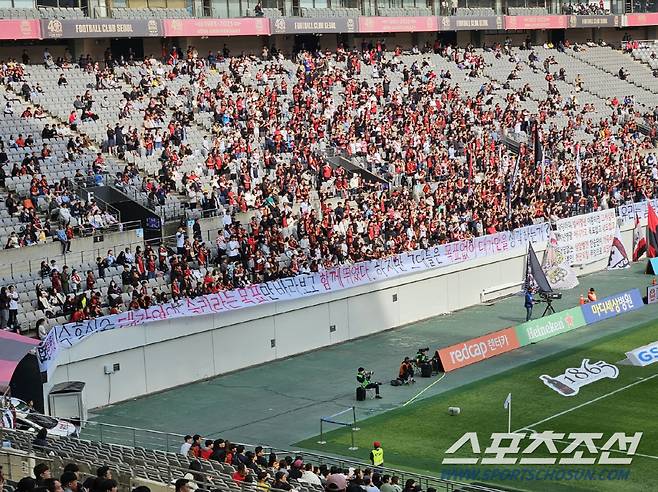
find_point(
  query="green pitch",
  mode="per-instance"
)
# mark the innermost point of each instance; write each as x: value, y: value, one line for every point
x: 415, y: 437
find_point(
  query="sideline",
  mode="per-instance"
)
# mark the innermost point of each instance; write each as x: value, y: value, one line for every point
x: 424, y: 390
x: 618, y: 390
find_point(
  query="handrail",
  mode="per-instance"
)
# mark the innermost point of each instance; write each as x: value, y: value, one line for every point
x: 32, y: 265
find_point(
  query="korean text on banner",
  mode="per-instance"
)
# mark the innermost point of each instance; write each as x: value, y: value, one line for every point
x: 332, y: 280
x: 478, y: 349
x: 612, y: 306
x: 586, y: 238
x: 549, y: 326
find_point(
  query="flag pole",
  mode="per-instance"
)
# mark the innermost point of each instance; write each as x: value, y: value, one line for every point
x: 509, y: 416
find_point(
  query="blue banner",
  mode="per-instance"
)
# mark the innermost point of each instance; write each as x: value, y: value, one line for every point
x: 612, y: 306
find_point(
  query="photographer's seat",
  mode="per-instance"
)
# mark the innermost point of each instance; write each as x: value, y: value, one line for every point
x: 362, y: 394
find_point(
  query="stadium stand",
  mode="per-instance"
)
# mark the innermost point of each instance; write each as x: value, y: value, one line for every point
x: 646, y: 52
x: 176, y: 161
x: 272, y: 13
x: 404, y: 11
x: 527, y: 11
x: 474, y: 11
x: 235, y: 468
x: 149, y: 13
x: 327, y: 12
x: 42, y: 13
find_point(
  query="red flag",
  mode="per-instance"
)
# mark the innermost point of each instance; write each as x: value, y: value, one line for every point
x: 639, y: 240
x: 652, y: 233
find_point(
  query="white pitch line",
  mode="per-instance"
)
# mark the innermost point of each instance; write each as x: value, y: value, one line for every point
x: 591, y: 401
x: 424, y: 390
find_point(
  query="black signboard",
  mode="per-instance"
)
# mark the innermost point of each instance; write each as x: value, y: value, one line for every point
x: 578, y: 21
x: 301, y: 25
x: 471, y: 23
x: 100, y: 28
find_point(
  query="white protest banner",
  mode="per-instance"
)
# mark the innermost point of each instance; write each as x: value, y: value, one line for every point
x: 628, y: 211
x: 586, y: 238
x: 332, y: 280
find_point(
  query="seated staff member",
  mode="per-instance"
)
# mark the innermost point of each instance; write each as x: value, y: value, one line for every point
x: 363, y: 378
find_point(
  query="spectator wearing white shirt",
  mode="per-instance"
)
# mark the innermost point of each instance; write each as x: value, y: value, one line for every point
x: 233, y: 249
x: 180, y: 241
x: 12, y: 323
x: 185, y: 447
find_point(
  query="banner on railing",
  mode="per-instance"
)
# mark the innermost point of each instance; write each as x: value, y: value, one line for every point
x: 100, y: 28
x: 535, y: 22
x: 20, y: 29
x: 586, y: 238
x: 635, y: 20
x: 471, y: 23
x: 301, y: 25
x: 628, y: 211
x: 578, y: 21
x: 332, y: 280
x: 398, y: 24
x: 216, y: 27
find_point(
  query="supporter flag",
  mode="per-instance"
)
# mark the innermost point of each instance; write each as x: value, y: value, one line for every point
x: 535, y: 279
x: 512, y: 181
x: 652, y: 233
x: 539, y: 150
x: 639, y: 241
x: 556, y: 266
x: 470, y: 169
x: 579, y: 177
x: 618, y: 258
x: 7, y: 419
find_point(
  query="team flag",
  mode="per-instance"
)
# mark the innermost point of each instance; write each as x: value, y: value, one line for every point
x: 639, y: 241
x: 618, y: 258
x: 652, y: 233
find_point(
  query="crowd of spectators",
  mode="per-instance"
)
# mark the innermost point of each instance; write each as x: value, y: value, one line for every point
x: 585, y: 8
x: 268, y: 471
x: 71, y: 479
x: 450, y: 176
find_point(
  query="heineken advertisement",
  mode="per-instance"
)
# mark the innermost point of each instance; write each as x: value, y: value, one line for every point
x: 549, y: 326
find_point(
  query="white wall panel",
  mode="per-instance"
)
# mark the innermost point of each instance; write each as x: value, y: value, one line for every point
x: 179, y: 361
x: 301, y: 330
x: 339, y: 317
x: 243, y: 345
x: 373, y: 312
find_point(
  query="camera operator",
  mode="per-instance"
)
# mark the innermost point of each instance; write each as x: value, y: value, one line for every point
x: 421, y: 356
x: 406, y: 372
x: 363, y: 378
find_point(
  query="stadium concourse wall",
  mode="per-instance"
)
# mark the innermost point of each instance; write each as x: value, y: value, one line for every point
x: 156, y: 356
x: 83, y: 249
x: 250, y: 35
